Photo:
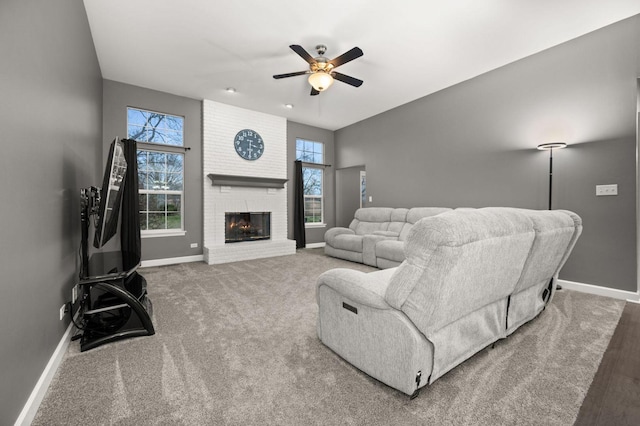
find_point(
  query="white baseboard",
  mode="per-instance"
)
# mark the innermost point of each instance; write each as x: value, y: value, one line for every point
x: 171, y: 261
x: 315, y: 245
x: 33, y: 403
x: 601, y: 291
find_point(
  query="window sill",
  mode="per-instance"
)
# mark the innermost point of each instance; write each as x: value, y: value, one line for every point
x: 315, y: 225
x: 156, y: 234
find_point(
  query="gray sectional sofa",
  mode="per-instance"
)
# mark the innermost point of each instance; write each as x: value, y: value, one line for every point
x: 470, y: 277
x: 376, y: 235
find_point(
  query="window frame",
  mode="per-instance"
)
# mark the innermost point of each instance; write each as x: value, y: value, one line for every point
x: 318, y: 165
x: 155, y: 147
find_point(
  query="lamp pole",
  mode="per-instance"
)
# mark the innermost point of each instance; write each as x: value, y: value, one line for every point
x: 550, y: 147
x: 550, y: 175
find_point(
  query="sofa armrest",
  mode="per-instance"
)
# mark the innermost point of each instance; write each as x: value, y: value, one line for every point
x: 369, y: 242
x: 387, y: 234
x: 334, y: 232
x: 364, y: 288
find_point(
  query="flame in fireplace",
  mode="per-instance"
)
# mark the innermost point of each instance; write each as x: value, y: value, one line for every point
x: 242, y: 224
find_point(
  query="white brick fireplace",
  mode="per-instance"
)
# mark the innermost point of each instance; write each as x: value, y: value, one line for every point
x: 220, y: 125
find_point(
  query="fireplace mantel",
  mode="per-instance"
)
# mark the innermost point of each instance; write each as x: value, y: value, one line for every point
x: 247, y: 181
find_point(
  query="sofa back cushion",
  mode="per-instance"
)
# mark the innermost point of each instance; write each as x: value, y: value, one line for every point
x: 370, y: 219
x: 556, y: 234
x: 398, y: 220
x: 457, y: 262
x: 417, y: 213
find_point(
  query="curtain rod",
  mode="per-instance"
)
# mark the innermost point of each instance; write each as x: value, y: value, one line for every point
x: 305, y: 163
x: 153, y: 145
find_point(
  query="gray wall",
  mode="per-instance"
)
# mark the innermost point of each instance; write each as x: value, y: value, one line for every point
x: 303, y: 131
x: 50, y: 115
x: 119, y: 96
x: 606, y: 252
x: 473, y: 145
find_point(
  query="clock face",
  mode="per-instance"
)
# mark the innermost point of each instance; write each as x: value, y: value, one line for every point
x: 249, y: 145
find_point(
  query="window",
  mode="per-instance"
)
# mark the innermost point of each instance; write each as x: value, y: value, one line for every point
x: 160, y: 170
x: 312, y: 177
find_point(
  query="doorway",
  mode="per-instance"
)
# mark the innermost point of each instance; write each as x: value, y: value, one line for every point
x: 349, y: 193
x: 363, y: 188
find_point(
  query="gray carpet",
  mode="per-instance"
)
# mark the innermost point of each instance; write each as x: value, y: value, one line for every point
x: 236, y: 344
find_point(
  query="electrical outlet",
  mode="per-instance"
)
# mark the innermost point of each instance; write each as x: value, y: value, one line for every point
x: 194, y: 245
x: 370, y: 199
x: 74, y: 293
x: 63, y: 311
x: 602, y: 190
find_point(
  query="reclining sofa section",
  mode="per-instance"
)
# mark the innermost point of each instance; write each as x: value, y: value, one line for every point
x: 471, y: 277
x: 376, y: 235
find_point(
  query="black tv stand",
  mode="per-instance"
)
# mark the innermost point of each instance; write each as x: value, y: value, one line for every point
x: 113, y: 305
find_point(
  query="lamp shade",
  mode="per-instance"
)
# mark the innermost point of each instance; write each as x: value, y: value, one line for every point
x: 552, y: 145
x: 320, y: 80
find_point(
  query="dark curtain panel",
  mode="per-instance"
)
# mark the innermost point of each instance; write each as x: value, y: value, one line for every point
x: 298, y: 209
x: 130, y: 225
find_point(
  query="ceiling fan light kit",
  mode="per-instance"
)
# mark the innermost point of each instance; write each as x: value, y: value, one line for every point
x: 321, y: 70
x: 320, y: 80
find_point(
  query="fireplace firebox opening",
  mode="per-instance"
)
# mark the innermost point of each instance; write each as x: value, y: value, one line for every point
x: 247, y: 226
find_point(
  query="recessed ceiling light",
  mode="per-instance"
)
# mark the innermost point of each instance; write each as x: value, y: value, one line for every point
x: 231, y: 89
x: 290, y: 106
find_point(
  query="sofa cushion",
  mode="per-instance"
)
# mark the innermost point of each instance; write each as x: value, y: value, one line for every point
x: 364, y: 228
x: 554, y: 232
x: 398, y: 220
x: 399, y: 215
x: 417, y: 213
x: 374, y: 214
x: 391, y: 250
x: 458, y: 262
x: 370, y: 243
x: 348, y: 242
x: 332, y: 233
x: 370, y: 219
x: 387, y: 234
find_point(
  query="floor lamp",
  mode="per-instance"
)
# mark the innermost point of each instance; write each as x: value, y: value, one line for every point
x: 550, y: 147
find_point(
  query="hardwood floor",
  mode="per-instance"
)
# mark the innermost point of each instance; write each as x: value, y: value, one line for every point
x: 614, y: 395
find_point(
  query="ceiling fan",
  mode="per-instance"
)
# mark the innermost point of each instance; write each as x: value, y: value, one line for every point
x: 321, y: 70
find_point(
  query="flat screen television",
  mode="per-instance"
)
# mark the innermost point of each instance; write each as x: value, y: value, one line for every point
x: 111, y: 194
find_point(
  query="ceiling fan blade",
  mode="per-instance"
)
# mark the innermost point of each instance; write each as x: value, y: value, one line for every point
x: 347, y: 79
x: 352, y: 54
x: 291, y: 74
x: 303, y: 53
x: 314, y: 92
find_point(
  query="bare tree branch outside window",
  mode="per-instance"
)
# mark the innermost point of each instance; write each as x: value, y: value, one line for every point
x: 160, y: 173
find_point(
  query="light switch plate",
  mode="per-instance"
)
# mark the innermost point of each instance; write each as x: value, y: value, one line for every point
x: 602, y: 190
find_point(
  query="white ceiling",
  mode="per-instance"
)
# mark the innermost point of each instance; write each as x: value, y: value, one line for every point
x: 197, y: 48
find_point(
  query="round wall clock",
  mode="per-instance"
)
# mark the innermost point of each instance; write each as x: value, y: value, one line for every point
x: 249, y: 145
